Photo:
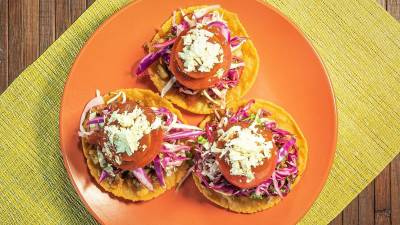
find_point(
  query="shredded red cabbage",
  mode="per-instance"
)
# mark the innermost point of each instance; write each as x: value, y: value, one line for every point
x: 150, y: 59
x: 96, y: 120
x: 142, y: 177
x: 284, y: 150
x: 279, y: 183
x: 164, y: 112
x: 174, y: 148
x: 270, y: 125
x: 165, y: 44
x: 242, y: 112
x: 172, y: 160
x: 222, y: 27
x: 281, y: 132
x: 173, y: 151
x: 98, y: 100
x: 178, y: 29
x: 275, y: 182
x: 236, y: 41
x: 166, y: 58
x: 208, y: 132
x: 183, y: 134
x: 230, y: 80
x: 103, y: 176
x: 159, y: 170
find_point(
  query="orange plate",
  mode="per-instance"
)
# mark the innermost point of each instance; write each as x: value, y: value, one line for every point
x: 291, y: 75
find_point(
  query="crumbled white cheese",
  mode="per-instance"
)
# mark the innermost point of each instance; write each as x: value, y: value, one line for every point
x: 106, y: 150
x: 210, y: 169
x: 156, y: 123
x: 198, y: 53
x: 109, y: 170
x: 102, y: 162
x: 117, y: 159
x: 124, y: 130
x: 244, y: 148
x: 127, y: 119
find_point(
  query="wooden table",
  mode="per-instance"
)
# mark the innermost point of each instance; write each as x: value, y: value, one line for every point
x: 28, y: 27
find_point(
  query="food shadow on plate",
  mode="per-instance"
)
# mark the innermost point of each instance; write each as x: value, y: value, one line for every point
x: 189, y: 191
x: 142, y: 81
x: 123, y: 200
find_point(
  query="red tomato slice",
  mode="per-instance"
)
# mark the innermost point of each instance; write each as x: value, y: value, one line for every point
x: 153, y: 142
x: 217, y: 38
x: 194, y: 84
x: 199, y: 80
x: 261, y: 172
x: 145, y: 140
x: 141, y: 158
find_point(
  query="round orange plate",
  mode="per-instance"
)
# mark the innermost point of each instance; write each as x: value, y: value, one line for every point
x: 291, y: 75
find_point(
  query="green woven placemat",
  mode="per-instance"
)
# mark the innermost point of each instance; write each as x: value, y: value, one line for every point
x: 357, y: 40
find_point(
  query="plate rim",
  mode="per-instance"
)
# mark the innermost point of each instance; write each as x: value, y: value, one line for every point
x: 271, y: 7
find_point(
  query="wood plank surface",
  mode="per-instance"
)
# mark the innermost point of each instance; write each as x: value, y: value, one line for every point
x: 30, y: 26
x: 350, y: 213
x: 393, y: 7
x: 382, y: 3
x: 366, y: 205
x: 338, y: 220
x: 89, y: 3
x: 15, y: 54
x: 77, y: 8
x: 63, y: 20
x: 30, y: 31
x: 23, y: 35
x: 47, y: 24
x: 3, y: 45
x: 382, y: 197
x: 395, y: 189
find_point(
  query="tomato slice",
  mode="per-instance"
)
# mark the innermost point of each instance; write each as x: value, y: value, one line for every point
x: 141, y: 158
x: 217, y: 38
x: 261, y: 172
x: 194, y: 84
x: 199, y: 80
x: 146, y: 140
x: 152, y: 141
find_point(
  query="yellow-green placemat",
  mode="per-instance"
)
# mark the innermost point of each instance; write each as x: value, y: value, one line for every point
x: 357, y: 40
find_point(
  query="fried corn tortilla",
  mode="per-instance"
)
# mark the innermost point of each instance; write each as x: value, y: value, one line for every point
x: 198, y: 103
x: 245, y: 204
x: 125, y: 188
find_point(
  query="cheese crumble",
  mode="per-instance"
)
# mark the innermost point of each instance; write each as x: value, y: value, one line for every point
x: 124, y: 130
x: 198, y: 53
x: 244, y: 148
